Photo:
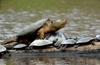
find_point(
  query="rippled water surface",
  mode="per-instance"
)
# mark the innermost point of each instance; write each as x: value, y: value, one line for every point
x: 83, y: 20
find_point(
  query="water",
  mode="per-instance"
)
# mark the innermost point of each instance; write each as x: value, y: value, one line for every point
x: 83, y: 20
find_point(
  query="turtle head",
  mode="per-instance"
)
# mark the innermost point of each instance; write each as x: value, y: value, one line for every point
x: 59, y: 24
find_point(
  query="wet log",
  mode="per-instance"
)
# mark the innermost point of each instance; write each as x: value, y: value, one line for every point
x: 89, y: 47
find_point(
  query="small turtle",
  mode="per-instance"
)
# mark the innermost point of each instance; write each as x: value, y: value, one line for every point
x: 62, y: 42
x: 2, y: 49
x: 98, y: 37
x: 60, y: 37
x: 40, y: 42
x: 84, y: 41
x: 67, y: 43
x: 20, y: 46
x: 53, y: 38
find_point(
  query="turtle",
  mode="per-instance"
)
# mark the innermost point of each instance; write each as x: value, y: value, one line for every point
x: 50, y: 27
x: 26, y: 34
x: 59, y: 38
x: 39, y: 43
x: 20, y: 46
x: 52, y: 37
x: 63, y: 42
x: 84, y: 41
x: 3, y: 50
x: 98, y: 37
x: 67, y: 43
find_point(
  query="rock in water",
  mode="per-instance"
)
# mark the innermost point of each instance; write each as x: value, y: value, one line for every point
x: 19, y: 46
x: 40, y: 43
x: 2, y: 49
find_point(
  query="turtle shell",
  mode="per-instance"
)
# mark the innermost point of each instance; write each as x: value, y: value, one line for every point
x: 40, y: 42
x: 32, y: 27
x: 18, y: 46
x: 2, y: 49
x: 69, y: 41
x: 84, y: 40
x: 98, y: 37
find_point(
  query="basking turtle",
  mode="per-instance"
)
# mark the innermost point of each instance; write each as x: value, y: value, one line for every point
x: 3, y: 50
x: 61, y: 41
x: 38, y: 29
x: 27, y: 34
x: 50, y: 27
x: 98, y: 37
x: 40, y: 43
x: 84, y: 41
x: 20, y: 46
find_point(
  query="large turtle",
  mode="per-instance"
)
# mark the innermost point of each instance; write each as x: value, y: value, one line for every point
x: 26, y: 35
x: 38, y: 29
x: 51, y: 27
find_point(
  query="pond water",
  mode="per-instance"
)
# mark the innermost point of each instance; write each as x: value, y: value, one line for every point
x: 50, y: 61
x: 83, y: 20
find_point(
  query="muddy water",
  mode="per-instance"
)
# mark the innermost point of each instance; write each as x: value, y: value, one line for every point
x: 50, y: 61
x: 83, y: 20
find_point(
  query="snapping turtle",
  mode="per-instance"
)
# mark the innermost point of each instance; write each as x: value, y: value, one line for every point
x: 36, y: 30
x: 27, y: 34
x: 50, y: 27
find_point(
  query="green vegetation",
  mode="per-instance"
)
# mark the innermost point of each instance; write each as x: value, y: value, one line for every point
x: 40, y: 5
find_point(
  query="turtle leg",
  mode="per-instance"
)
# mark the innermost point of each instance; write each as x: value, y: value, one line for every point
x: 92, y: 42
x: 63, y: 47
x: 76, y: 45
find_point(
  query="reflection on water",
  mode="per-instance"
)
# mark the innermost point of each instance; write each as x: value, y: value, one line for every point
x: 51, y: 61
